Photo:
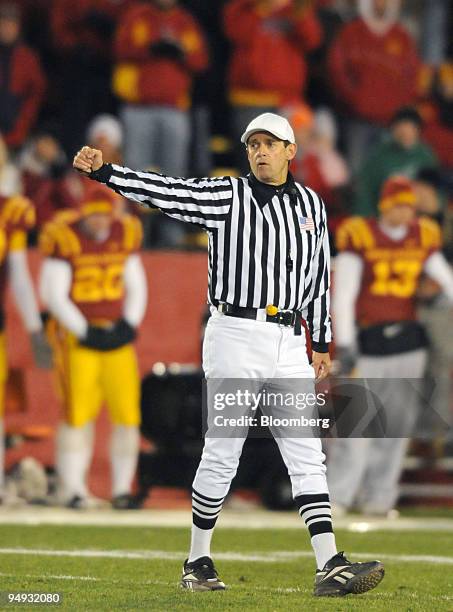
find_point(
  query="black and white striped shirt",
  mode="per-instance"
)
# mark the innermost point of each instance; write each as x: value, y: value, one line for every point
x: 266, y: 245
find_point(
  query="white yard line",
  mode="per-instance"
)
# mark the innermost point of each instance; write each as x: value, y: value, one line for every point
x: 280, y: 556
x: 252, y: 519
x: 51, y: 577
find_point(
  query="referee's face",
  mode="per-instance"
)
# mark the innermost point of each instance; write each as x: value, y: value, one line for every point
x: 268, y: 157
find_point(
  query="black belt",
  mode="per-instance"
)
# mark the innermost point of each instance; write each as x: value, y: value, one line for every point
x: 287, y: 318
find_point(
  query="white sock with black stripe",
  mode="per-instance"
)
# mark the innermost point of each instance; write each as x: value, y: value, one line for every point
x: 205, y: 511
x: 317, y: 514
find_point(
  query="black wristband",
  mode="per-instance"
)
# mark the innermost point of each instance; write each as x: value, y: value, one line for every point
x: 103, y: 174
x: 320, y: 347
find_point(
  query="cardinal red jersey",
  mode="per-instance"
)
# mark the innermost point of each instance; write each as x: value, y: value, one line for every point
x: 391, y: 268
x: 17, y: 218
x: 97, y: 267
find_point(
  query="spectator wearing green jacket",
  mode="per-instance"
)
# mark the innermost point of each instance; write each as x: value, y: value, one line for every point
x: 403, y: 153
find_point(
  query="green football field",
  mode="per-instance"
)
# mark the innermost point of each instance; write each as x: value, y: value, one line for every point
x: 137, y: 568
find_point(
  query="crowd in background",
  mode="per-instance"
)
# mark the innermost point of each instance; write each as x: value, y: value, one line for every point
x: 170, y: 85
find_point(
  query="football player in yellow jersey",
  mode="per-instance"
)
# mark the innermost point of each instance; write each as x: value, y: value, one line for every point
x: 377, y: 272
x: 94, y: 286
x: 17, y: 217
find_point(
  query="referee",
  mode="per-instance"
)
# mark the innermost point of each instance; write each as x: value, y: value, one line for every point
x: 268, y: 268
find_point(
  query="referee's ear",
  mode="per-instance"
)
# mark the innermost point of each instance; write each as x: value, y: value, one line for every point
x: 290, y: 150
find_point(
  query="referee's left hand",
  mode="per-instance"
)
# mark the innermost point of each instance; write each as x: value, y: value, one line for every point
x: 321, y: 364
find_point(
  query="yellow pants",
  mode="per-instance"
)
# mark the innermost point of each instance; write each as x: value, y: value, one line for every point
x: 87, y: 378
x: 3, y: 372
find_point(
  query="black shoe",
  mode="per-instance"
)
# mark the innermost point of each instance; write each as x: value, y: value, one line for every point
x: 201, y: 575
x: 339, y: 577
x: 127, y: 502
x: 77, y: 503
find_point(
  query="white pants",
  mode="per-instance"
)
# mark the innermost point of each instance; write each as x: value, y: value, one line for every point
x: 242, y: 348
x: 365, y: 471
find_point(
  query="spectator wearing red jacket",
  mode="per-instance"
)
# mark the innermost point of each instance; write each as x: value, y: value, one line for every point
x: 373, y: 67
x: 268, y: 70
x: 159, y: 48
x: 22, y: 81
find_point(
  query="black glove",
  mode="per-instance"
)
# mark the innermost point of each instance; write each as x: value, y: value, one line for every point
x: 346, y: 358
x: 166, y: 49
x: 122, y: 333
x: 109, y: 338
x: 97, y: 338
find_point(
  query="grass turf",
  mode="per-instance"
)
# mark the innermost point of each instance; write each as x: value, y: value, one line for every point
x: 135, y: 584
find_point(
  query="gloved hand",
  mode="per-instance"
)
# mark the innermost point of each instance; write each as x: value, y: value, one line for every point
x: 167, y: 49
x: 96, y: 338
x: 345, y: 358
x: 122, y: 333
x: 109, y: 338
x: 42, y: 353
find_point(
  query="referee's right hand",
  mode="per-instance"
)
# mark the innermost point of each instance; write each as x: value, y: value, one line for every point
x: 88, y: 160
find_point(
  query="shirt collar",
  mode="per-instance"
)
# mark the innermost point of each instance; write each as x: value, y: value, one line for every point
x: 263, y: 193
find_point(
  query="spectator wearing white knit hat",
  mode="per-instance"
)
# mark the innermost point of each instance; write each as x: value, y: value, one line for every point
x: 105, y: 132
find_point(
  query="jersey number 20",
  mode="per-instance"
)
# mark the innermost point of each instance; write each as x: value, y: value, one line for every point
x: 96, y: 284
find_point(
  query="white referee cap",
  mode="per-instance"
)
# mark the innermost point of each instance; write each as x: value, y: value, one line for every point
x: 269, y: 122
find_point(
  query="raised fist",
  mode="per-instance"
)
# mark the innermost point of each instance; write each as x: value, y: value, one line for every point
x: 88, y: 160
